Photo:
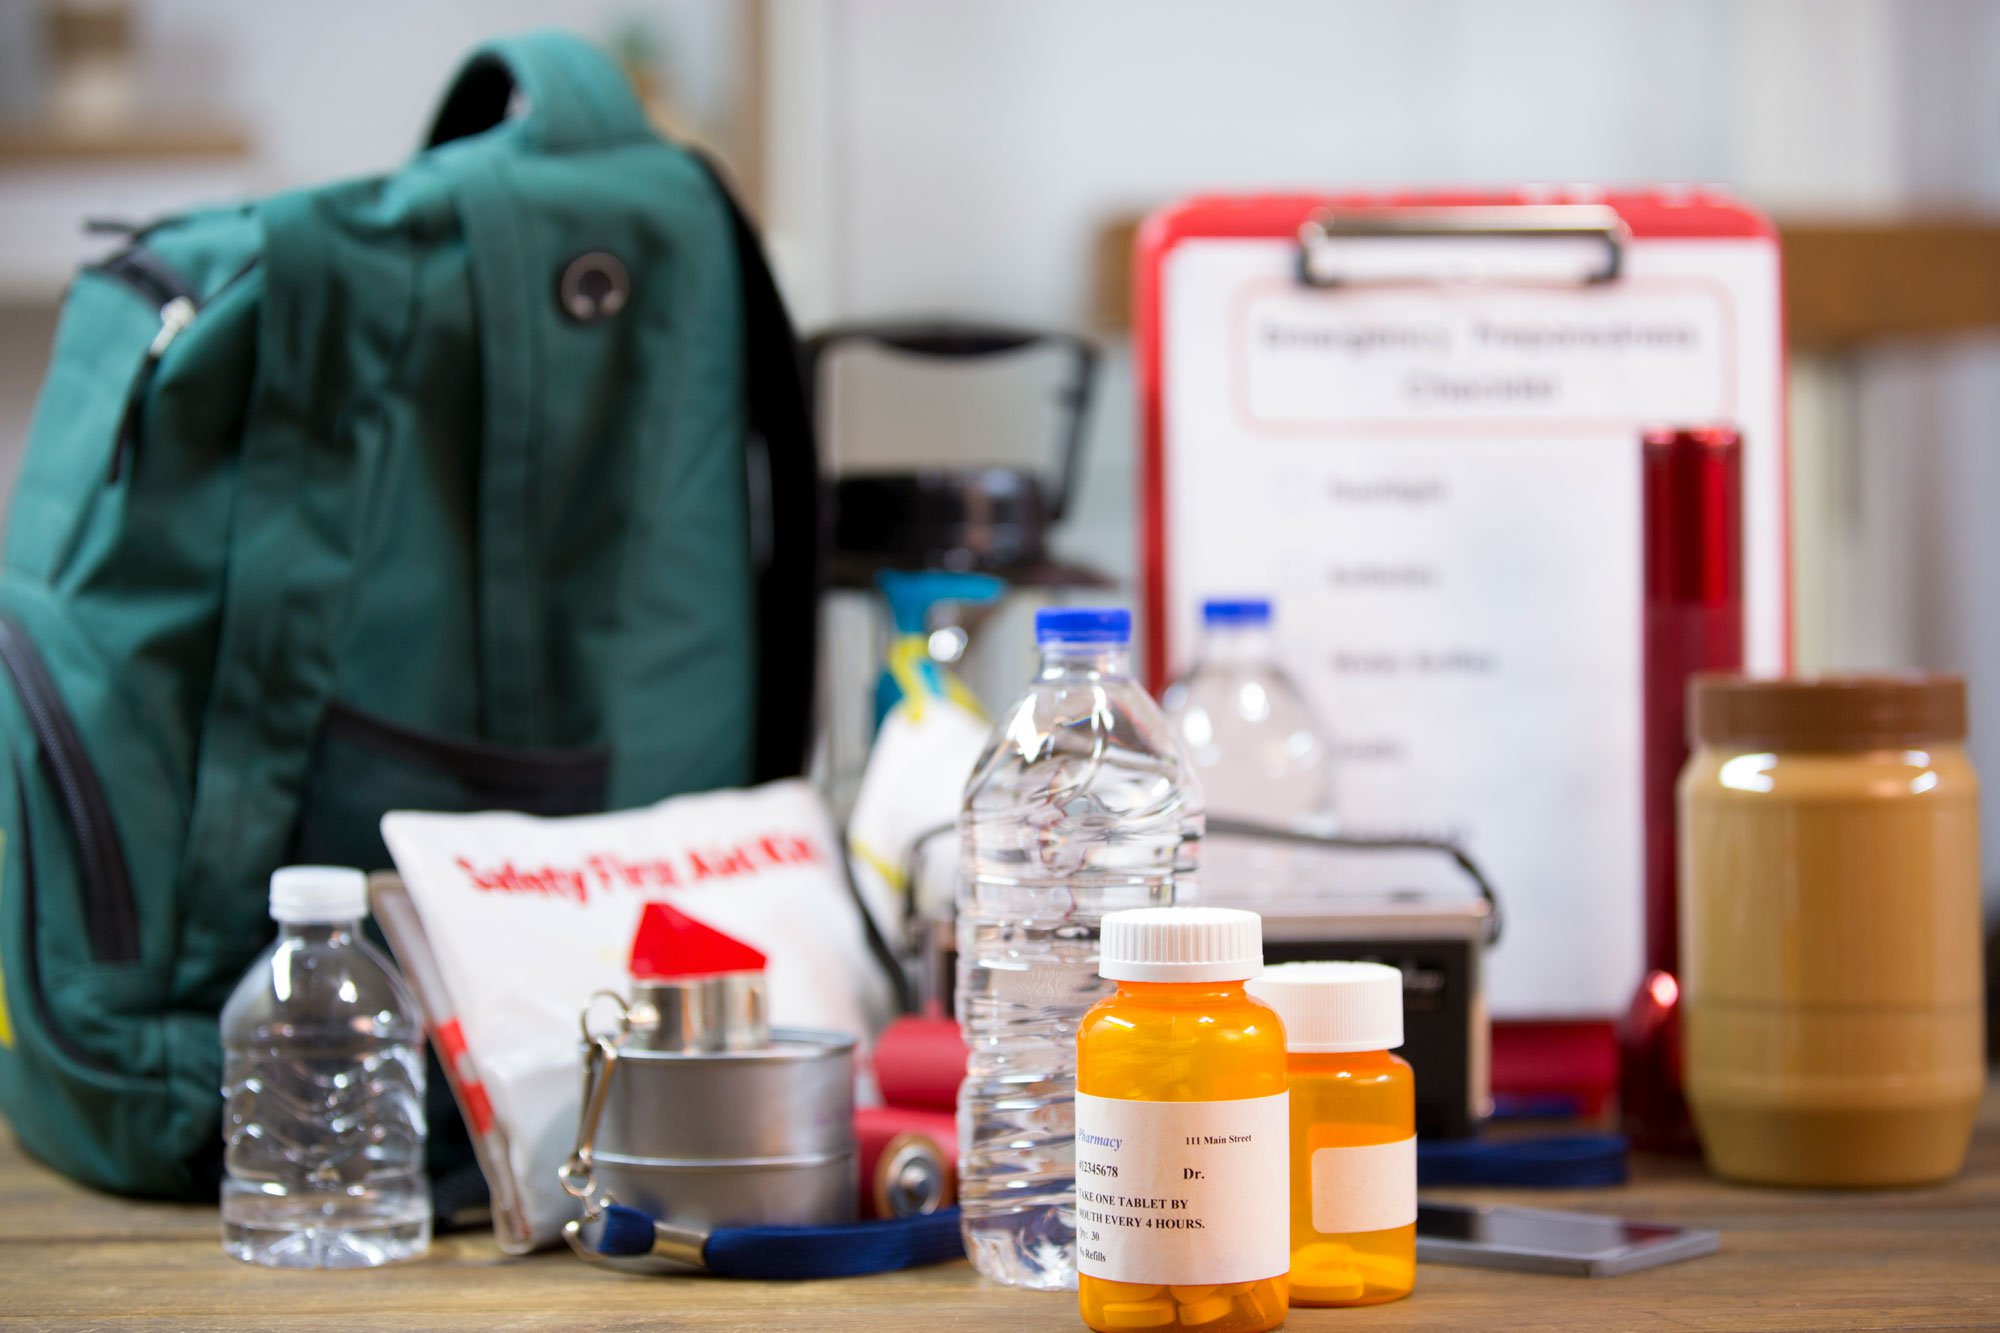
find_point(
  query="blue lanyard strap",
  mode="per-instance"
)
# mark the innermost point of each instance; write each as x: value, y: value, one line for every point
x: 783, y: 1252
x: 842, y: 1251
x: 1548, y: 1163
x: 856, y: 1248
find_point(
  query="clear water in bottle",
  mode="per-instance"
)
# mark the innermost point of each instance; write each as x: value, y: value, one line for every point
x: 1082, y: 804
x: 1261, y: 752
x: 323, y: 1087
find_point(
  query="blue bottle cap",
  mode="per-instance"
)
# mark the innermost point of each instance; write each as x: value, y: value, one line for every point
x: 1243, y: 611
x: 1083, y: 624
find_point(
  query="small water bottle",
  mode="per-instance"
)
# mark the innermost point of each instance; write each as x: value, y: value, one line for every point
x: 323, y: 1081
x: 1081, y: 804
x: 1253, y: 737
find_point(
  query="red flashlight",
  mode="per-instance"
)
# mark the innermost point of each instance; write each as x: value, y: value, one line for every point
x: 1692, y: 492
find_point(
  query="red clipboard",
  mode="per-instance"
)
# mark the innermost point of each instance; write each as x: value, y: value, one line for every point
x: 1171, y: 584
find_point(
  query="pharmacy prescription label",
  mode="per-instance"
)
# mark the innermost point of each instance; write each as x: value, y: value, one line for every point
x: 1183, y: 1192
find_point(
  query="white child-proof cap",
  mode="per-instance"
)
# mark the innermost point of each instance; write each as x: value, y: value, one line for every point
x: 1331, y: 1008
x: 305, y: 895
x: 1181, y: 944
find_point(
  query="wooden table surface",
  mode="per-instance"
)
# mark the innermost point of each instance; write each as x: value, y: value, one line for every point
x: 1903, y: 1259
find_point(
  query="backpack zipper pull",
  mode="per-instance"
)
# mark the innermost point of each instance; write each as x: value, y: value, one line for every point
x: 175, y: 316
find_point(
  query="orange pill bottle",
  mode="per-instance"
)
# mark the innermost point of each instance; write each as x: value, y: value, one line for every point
x: 1183, y: 1130
x: 1354, y: 1144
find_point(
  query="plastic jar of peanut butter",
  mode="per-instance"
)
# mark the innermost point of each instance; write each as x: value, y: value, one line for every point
x: 1830, y: 927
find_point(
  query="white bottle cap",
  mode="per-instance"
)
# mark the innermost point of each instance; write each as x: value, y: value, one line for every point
x: 1329, y: 1008
x: 1181, y: 944
x: 305, y: 895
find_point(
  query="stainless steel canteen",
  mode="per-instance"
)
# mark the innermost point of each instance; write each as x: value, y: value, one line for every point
x: 704, y: 1139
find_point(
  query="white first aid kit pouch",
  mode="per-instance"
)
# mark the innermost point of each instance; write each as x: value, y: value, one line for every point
x: 1414, y: 422
x: 526, y: 918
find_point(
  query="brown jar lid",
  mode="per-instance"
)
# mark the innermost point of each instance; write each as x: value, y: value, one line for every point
x: 1826, y: 712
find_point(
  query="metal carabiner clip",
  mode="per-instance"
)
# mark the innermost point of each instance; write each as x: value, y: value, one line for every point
x: 600, y: 1064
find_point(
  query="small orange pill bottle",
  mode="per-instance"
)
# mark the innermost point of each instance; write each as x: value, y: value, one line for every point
x: 1354, y: 1143
x: 1183, y: 1130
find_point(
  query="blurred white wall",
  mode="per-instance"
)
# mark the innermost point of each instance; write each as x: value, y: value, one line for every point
x: 961, y: 157
x: 329, y: 90
x: 972, y: 149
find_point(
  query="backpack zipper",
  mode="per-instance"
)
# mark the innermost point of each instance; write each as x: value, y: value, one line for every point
x: 111, y: 918
x: 30, y: 923
x: 178, y: 303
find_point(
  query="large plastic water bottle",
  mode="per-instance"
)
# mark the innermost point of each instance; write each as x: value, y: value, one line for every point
x: 1082, y: 804
x: 323, y: 1126
x: 1253, y: 737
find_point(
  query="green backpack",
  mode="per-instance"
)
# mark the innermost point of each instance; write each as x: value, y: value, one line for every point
x: 488, y: 484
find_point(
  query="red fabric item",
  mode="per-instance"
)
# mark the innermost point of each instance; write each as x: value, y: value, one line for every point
x: 670, y: 943
x: 876, y: 1127
x: 1576, y: 1061
x: 919, y: 1063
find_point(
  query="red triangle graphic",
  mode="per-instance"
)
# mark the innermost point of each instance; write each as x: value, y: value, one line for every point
x: 670, y: 943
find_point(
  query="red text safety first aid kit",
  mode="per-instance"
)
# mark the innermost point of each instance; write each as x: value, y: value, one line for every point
x: 524, y: 919
x: 1414, y: 422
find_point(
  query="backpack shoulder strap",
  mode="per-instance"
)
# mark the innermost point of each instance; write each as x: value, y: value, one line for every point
x: 791, y: 536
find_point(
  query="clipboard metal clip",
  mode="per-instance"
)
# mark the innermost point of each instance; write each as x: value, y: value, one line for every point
x: 1573, y: 245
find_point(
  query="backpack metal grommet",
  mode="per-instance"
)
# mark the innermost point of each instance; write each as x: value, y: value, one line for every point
x: 593, y: 287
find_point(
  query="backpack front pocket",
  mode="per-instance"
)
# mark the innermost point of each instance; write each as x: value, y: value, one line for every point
x: 365, y: 765
x: 86, y: 1075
